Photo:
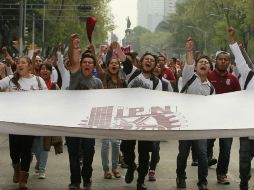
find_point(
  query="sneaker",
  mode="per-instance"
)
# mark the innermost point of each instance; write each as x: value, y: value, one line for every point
x: 74, y: 186
x: 194, y: 163
x: 244, y: 186
x: 151, y: 175
x: 141, y: 186
x: 202, y: 186
x: 212, y: 162
x: 42, y: 175
x: 222, y: 179
x: 129, y: 175
x: 181, y: 183
x: 87, y: 184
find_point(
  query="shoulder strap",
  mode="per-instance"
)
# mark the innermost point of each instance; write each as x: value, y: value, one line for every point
x: 211, y: 89
x: 164, y: 85
x: 249, y: 77
x: 135, y: 74
x: 39, y: 82
x: 155, y: 81
x: 188, y: 83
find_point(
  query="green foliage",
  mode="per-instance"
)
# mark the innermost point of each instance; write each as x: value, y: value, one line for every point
x: 61, y: 22
x: 212, y: 16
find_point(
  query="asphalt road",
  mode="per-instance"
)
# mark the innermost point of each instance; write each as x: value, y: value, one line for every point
x: 58, y: 171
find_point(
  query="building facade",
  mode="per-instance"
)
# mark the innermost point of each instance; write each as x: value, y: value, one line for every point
x: 152, y: 12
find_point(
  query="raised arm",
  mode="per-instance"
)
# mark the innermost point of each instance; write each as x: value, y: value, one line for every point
x: 189, y: 52
x: 239, y: 59
x: 246, y: 57
x: 120, y: 53
x: 36, y: 53
x: 74, y: 53
x: 8, y: 57
x: 2, y: 70
x: 188, y: 70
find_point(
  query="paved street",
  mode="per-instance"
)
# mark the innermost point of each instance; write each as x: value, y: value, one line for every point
x: 58, y: 171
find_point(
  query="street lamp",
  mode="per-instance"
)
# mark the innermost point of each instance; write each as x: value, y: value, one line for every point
x: 204, y: 34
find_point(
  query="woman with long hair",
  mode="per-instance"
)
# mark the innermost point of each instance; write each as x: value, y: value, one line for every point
x: 110, y: 79
x: 20, y: 145
x: 44, y: 71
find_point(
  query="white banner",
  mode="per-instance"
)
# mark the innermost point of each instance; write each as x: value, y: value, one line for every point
x: 127, y: 114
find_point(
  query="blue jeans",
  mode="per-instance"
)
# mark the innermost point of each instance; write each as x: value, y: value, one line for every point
x: 184, y: 150
x: 74, y: 144
x: 245, y: 159
x: 105, y: 153
x: 40, y: 154
x: 224, y: 156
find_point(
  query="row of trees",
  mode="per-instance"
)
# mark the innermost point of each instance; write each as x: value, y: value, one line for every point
x: 207, y: 21
x: 62, y: 18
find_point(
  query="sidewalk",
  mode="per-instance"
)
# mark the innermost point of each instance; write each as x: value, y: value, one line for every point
x: 58, y: 171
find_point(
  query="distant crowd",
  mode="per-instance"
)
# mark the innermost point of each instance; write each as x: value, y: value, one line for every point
x: 112, y: 67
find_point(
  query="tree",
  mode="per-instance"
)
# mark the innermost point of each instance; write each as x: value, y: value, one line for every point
x: 61, y: 21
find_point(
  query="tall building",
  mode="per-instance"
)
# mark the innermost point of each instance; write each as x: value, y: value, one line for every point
x: 152, y: 12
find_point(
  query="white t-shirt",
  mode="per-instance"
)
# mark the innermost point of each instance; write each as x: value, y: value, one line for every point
x: 54, y: 75
x: 65, y: 74
x: 242, y: 66
x: 141, y: 82
x: 26, y: 84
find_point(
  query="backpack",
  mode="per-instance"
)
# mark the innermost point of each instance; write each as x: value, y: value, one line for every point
x: 187, y: 85
x: 248, y: 79
x: 152, y: 78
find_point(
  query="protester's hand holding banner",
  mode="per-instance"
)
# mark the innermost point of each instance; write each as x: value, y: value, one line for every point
x: 127, y: 114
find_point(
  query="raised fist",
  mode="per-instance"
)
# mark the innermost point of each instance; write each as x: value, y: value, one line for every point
x: 189, y: 44
x: 37, y: 52
x: 114, y: 45
x: 4, y: 49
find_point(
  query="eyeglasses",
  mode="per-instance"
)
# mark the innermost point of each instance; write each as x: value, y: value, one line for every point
x: 89, y: 62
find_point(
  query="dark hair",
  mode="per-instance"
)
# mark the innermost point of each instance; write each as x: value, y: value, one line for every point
x: 205, y: 57
x: 118, y: 61
x: 88, y: 55
x: 47, y: 65
x: 148, y: 53
x: 16, y: 75
x: 174, y: 60
x: 162, y: 57
x: 133, y: 55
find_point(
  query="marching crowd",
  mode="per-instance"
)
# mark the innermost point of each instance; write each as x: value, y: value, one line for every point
x: 113, y: 67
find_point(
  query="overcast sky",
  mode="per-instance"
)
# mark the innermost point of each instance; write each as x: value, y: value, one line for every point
x: 121, y: 9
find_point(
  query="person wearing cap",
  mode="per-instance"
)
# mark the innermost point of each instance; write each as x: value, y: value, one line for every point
x: 195, y: 81
x: 246, y: 143
x: 81, y: 78
x: 223, y: 82
x: 139, y: 78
